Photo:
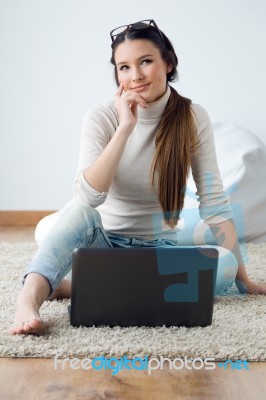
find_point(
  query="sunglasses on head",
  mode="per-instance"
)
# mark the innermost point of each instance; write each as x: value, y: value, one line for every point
x: 136, y: 26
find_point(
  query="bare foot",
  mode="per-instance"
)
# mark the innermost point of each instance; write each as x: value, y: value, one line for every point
x: 63, y: 291
x: 27, y: 317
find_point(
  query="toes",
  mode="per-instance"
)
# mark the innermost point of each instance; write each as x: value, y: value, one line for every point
x: 26, y: 327
x: 18, y: 328
x: 12, y: 330
x: 33, y: 326
x: 36, y: 325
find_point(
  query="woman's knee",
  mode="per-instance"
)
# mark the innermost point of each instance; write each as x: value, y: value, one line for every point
x: 77, y: 220
x: 71, y: 213
x: 82, y: 212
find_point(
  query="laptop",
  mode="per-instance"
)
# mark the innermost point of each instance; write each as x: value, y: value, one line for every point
x: 143, y: 286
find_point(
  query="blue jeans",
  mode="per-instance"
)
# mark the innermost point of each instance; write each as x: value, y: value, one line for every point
x: 81, y: 226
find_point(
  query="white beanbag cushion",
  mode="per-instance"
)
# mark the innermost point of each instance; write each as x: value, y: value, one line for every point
x: 242, y: 162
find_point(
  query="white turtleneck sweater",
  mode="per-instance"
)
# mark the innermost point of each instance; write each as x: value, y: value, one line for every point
x: 131, y: 208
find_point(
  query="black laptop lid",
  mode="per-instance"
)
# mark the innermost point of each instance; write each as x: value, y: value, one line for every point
x: 143, y: 286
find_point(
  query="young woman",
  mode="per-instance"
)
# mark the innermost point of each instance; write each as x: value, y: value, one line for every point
x: 135, y: 155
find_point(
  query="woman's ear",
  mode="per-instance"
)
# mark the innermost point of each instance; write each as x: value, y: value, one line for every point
x: 169, y: 68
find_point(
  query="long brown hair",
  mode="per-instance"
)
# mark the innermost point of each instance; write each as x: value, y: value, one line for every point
x: 176, y: 135
x: 175, y: 140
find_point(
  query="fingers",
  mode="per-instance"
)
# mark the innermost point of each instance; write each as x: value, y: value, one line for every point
x: 131, y: 98
x: 120, y: 90
x: 134, y: 99
x: 140, y: 101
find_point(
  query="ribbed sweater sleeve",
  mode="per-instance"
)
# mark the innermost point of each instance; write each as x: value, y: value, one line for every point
x: 214, y: 204
x: 99, y: 123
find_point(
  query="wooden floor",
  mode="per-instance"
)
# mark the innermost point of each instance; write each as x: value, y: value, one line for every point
x: 38, y: 379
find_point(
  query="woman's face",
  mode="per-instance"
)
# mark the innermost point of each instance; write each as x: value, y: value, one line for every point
x: 141, y: 69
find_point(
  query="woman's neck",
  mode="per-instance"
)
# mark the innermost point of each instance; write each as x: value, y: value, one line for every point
x: 155, y: 108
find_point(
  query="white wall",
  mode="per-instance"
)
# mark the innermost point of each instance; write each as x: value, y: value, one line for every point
x: 55, y: 64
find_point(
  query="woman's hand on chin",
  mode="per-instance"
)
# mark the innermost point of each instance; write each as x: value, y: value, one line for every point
x: 127, y: 107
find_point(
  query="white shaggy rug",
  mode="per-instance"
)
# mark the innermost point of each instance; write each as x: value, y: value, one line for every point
x: 238, y: 329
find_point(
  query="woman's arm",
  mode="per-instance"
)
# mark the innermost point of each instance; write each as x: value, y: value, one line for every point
x: 101, y: 173
x: 226, y: 236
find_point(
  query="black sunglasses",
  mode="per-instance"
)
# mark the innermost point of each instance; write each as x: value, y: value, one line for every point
x: 145, y: 24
